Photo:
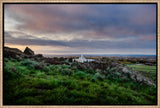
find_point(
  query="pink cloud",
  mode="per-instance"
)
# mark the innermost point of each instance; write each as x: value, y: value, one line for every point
x: 148, y: 38
x: 46, y: 18
x: 96, y: 22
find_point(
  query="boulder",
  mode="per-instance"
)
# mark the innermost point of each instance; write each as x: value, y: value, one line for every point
x: 12, y: 52
x: 28, y: 51
x: 38, y: 56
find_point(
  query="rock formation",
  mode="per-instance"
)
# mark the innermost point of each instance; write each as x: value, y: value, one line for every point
x: 28, y: 51
x: 12, y: 52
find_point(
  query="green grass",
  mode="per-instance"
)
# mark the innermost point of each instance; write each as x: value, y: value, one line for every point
x: 149, y: 71
x: 64, y: 85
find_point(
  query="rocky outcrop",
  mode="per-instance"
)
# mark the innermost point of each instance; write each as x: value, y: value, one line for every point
x: 28, y: 51
x: 115, y: 69
x: 134, y: 75
x: 13, y: 52
x: 16, y: 53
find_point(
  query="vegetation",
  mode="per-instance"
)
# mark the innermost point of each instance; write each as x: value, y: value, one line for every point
x: 133, y: 60
x: 28, y: 82
x: 149, y: 71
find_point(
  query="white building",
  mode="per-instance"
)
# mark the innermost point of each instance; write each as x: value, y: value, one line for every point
x: 83, y: 59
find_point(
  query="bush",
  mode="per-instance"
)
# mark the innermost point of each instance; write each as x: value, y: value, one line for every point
x: 38, y: 66
x: 113, y: 74
x: 93, y: 79
x: 69, y: 83
x: 65, y: 66
x: 66, y: 71
x: 35, y: 65
x: 11, y: 73
x: 5, y: 59
x: 110, y: 70
x: 80, y: 74
x: 91, y: 71
x: 99, y: 76
x: 81, y: 67
x: 42, y: 66
x: 29, y: 63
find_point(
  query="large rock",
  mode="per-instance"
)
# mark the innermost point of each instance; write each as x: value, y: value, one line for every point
x: 12, y: 52
x: 38, y: 56
x: 28, y: 51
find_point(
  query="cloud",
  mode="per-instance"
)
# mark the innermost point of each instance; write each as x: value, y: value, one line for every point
x: 148, y: 38
x: 100, y: 21
x: 93, y: 27
x: 96, y: 44
x: 30, y: 41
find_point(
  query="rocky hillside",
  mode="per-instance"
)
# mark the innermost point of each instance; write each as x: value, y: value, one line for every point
x: 104, y: 67
x: 16, y: 53
x: 31, y: 79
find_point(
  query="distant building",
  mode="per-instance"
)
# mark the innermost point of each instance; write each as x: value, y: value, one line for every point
x: 83, y: 59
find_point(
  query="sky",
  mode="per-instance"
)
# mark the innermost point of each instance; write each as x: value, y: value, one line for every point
x: 60, y: 29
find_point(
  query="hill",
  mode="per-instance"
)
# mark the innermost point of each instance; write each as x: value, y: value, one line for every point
x: 31, y: 79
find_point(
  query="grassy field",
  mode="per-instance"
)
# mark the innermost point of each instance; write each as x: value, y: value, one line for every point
x: 149, y: 71
x: 28, y: 82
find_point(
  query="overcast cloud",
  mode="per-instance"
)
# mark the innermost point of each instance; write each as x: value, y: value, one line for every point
x: 97, y: 27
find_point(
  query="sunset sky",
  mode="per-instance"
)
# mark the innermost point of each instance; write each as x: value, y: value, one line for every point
x: 81, y: 28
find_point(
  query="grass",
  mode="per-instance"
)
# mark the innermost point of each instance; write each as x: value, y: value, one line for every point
x: 25, y: 84
x: 148, y: 71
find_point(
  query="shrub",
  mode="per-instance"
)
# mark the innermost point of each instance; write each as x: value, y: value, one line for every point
x: 29, y: 100
x: 35, y: 65
x: 11, y: 73
x: 5, y: 59
x: 66, y: 71
x: 65, y: 66
x: 38, y: 66
x: 93, y: 79
x: 81, y: 67
x: 97, y: 76
x: 110, y: 70
x: 52, y: 67
x: 69, y: 83
x: 8, y: 74
x: 46, y: 69
x: 45, y: 83
x: 98, y: 71
x: 91, y: 71
x: 13, y: 60
x: 80, y: 74
x: 42, y: 66
x: 29, y: 63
